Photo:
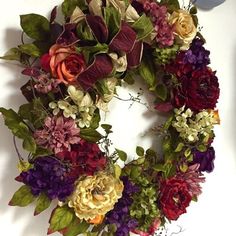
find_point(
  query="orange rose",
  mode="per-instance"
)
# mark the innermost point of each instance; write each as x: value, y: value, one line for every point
x: 65, y: 63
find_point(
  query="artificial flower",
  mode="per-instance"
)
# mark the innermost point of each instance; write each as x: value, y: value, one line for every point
x: 95, y: 195
x: 198, y: 90
x: 85, y: 158
x: 120, y: 63
x: 184, y: 27
x: 65, y: 63
x: 204, y: 159
x: 174, y: 198
x: 193, y: 126
x: 49, y: 176
x: 57, y: 134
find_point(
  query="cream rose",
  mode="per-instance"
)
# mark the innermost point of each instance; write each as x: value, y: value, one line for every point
x: 95, y: 196
x: 184, y: 27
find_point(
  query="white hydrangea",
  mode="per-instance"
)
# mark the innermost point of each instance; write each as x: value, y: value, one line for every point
x: 191, y: 126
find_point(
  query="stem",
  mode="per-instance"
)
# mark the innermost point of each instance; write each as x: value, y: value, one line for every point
x: 17, y: 151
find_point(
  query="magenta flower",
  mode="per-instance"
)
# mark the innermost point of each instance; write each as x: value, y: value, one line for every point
x: 58, y: 134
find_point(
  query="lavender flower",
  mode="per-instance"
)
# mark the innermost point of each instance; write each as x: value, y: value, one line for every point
x: 58, y: 134
x: 205, y: 159
x: 197, y: 55
x: 120, y: 214
x: 49, y: 176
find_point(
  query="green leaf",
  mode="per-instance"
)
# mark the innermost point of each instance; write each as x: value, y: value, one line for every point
x: 107, y: 128
x: 40, y: 152
x: 193, y: 10
x: 90, y: 135
x: 122, y: 155
x: 135, y: 172
x: 113, y: 20
x: 29, y: 144
x: 68, y: 6
x: 143, y: 26
x: 35, y: 26
x: 195, y: 20
x: 172, y: 5
x: 61, y: 218
x: 16, y: 124
x: 187, y: 152
x: 43, y: 202
x: 184, y: 167
x: 129, y: 77
x: 147, y: 71
x: 151, y: 153
x: 201, y: 148
x: 159, y: 168
x: 95, y: 120
x: 161, y: 92
x: 139, y: 151
x: 22, y: 197
x: 179, y: 147
x: 30, y: 49
x: 14, y: 54
x: 84, y: 32
x: 168, y: 123
x: 76, y: 228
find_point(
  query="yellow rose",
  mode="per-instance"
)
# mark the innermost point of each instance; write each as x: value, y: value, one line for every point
x: 184, y: 27
x: 95, y: 195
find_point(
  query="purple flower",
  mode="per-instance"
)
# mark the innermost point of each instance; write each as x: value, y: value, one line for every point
x: 57, y: 134
x: 197, y: 55
x: 205, y: 159
x: 49, y: 176
x: 120, y: 214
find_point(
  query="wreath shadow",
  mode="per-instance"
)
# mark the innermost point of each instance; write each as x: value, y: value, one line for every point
x: 8, y: 185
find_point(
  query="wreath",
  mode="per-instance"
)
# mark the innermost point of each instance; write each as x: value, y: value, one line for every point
x: 73, y: 70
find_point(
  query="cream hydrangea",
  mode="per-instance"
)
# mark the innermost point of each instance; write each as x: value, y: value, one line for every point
x: 191, y: 126
x: 95, y: 195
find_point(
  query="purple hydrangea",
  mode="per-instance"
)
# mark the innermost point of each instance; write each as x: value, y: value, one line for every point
x: 197, y: 55
x: 205, y: 159
x: 120, y: 214
x: 49, y: 175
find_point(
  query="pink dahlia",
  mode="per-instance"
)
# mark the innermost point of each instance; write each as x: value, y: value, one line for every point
x: 193, y: 178
x: 58, y: 134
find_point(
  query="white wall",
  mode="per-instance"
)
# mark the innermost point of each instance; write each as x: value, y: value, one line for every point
x: 214, y: 213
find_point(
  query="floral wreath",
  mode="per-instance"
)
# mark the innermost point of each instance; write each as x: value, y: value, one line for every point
x: 74, y: 68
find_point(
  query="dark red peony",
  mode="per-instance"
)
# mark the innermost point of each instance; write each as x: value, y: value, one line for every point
x: 174, y: 198
x: 199, y: 90
x: 84, y: 158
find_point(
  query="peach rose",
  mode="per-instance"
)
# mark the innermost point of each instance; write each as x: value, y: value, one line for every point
x: 184, y: 27
x: 65, y: 63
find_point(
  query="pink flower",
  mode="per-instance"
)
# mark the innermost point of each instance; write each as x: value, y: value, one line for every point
x: 193, y: 178
x: 57, y: 134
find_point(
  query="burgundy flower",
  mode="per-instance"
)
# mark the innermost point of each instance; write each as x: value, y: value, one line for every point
x: 84, y: 158
x: 197, y: 91
x: 174, y: 198
x: 57, y: 134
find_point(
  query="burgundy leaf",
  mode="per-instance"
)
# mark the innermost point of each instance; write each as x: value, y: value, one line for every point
x: 135, y: 55
x: 53, y: 14
x: 31, y: 71
x: 100, y: 68
x: 55, y: 31
x: 19, y: 178
x: 98, y: 27
x: 68, y: 36
x: 124, y: 40
x: 164, y: 107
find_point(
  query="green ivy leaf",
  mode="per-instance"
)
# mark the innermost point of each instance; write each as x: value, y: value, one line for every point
x: 40, y: 152
x: 147, y: 71
x: 201, y: 148
x: 29, y: 144
x: 168, y: 123
x: 161, y: 92
x: 43, y: 202
x: 113, y: 20
x: 68, y: 6
x: 76, y: 228
x: 35, y: 26
x: 122, y: 155
x: 187, y: 152
x: 143, y: 26
x: 90, y: 135
x: 107, y: 128
x: 139, y: 151
x: 61, y: 218
x: 159, y: 168
x: 22, y: 197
